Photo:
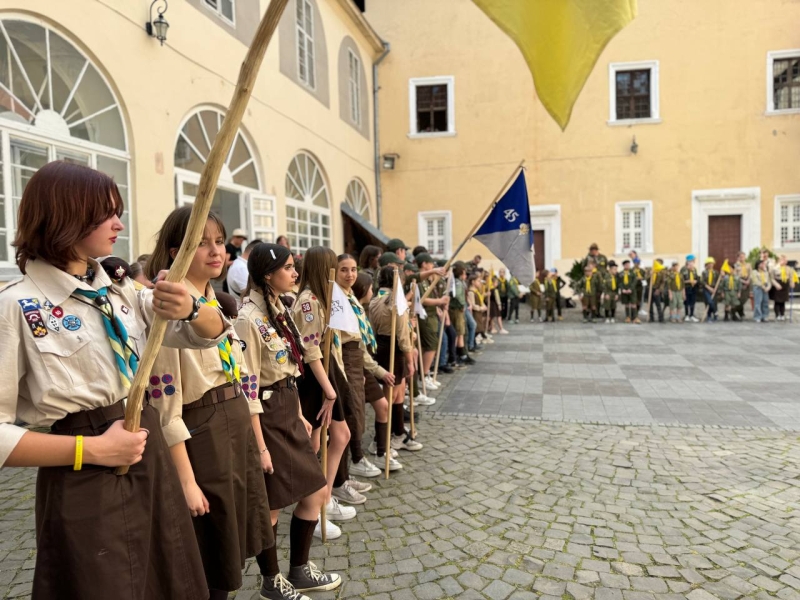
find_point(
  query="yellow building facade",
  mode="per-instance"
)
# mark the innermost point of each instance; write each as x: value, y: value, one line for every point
x: 83, y: 81
x: 684, y: 140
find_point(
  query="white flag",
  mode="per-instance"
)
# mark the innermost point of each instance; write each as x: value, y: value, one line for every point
x: 418, y: 308
x: 342, y: 316
x: 400, y: 301
x: 451, y: 283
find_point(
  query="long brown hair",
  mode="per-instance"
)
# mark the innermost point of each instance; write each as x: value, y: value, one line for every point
x: 317, y: 264
x: 170, y: 237
x: 61, y: 205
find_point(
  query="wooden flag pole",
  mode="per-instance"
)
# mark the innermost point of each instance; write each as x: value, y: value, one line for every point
x: 713, y: 295
x: 391, y: 370
x: 323, y: 435
x: 438, y: 348
x: 411, y: 379
x: 474, y: 228
x: 202, y: 204
x: 421, y: 360
x: 650, y: 293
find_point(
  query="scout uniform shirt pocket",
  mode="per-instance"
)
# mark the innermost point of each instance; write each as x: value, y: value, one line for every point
x: 66, y: 357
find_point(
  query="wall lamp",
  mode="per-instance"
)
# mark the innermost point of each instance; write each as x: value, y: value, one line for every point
x: 158, y: 28
x: 634, y: 146
x: 389, y: 160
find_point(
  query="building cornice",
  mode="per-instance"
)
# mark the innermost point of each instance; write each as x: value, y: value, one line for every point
x: 363, y: 25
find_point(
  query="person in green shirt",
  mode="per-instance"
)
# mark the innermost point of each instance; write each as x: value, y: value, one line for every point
x: 676, y: 290
x: 513, y: 300
x: 731, y: 288
x: 610, y: 292
x: 709, y: 279
x: 627, y: 292
x: 691, y: 281
x: 587, y: 287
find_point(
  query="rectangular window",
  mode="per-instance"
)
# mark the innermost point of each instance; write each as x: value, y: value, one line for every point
x: 435, y: 232
x: 633, y: 93
x: 634, y: 227
x: 223, y: 8
x: 305, y: 43
x: 432, y: 107
x: 355, y: 87
x: 262, y: 215
x: 783, y: 81
x: 789, y: 222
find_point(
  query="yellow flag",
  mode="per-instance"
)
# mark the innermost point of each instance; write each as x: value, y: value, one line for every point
x: 795, y: 278
x: 658, y: 267
x: 561, y: 41
x: 725, y: 268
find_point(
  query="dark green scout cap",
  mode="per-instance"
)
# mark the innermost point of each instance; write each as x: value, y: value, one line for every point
x: 424, y: 257
x: 389, y: 258
x: 396, y: 244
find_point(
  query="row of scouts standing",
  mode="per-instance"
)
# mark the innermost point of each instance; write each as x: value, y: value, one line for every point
x: 671, y: 292
x: 235, y: 403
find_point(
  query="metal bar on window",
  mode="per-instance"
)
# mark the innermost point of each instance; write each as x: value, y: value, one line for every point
x: 19, y: 63
x: 75, y: 87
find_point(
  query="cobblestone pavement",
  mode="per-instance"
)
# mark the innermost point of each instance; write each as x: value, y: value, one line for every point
x: 513, y: 508
x: 730, y: 374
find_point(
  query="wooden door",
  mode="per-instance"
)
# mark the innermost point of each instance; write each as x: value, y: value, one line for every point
x: 724, y: 238
x: 538, y: 249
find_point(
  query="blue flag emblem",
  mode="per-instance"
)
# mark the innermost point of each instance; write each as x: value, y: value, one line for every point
x: 507, y: 231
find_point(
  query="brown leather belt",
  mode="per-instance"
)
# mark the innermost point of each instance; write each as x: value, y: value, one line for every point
x: 286, y: 382
x: 96, y: 418
x: 221, y: 393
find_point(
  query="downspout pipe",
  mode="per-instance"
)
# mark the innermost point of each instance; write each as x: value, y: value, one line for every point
x: 375, y: 89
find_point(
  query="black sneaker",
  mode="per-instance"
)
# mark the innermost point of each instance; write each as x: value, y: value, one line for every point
x: 407, y: 416
x: 446, y: 369
x: 308, y: 578
x: 468, y: 360
x: 277, y: 588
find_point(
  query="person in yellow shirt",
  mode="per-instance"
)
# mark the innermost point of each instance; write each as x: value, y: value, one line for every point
x: 610, y: 292
x: 783, y: 281
x: 691, y: 280
x: 586, y: 288
x: 743, y: 272
x: 677, y: 293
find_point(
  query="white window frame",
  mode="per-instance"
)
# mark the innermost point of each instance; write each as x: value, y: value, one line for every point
x: 422, y: 230
x: 790, y: 199
x: 413, y: 83
x: 216, y: 8
x: 354, y: 86
x: 265, y: 234
x: 771, y: 58
x: 655, y: 105
x: 647, y: 226
x: 306, y: 38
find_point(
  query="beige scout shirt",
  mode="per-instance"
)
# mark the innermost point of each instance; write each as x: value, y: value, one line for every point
x: 55, y: 359
x: 310, y: 317
x: 182, y: 376
x: 380, y: 315
x: 266, y: 353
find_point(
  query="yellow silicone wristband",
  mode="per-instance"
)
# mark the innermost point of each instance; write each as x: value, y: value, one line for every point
x: 78, y: 453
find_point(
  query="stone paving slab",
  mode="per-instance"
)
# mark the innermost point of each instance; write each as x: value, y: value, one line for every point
x: 500, y: 508
x: 727, y: 374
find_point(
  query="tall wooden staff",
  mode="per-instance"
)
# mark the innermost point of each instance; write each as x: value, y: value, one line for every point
x: 713, y: 294
x: 323, y: 435
x: 438, y: 347
x: 202, y: 204
x: 391, y: 370
x: 413, y: 315
x: 474, y: 228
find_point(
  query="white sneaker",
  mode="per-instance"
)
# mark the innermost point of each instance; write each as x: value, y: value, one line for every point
x: 373, y: 449
x: 360, y: 486
x: 394, y: 465
x: 331, y: 531
x: 347, y: 494
x: 613, y: 320
x: 336, y: 512
x: 608, y: 320
x: 364, y: 468
x: 423, y: 400
x: 430, y: 383
x: 404, y: 442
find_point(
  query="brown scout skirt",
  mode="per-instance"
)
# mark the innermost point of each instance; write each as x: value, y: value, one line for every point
x: 355, y: 408
x: 227, y: 467
x: 383, y: 356
x: 782, y: 295
x: 312, y: 396
x: 101, y: 536
x: 372, y: 388
x: 297, y: 471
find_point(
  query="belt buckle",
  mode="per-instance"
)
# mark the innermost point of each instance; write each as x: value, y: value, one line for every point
x: 291, y: 381
x: 237, y: 388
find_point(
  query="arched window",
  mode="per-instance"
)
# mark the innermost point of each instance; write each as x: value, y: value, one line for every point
x: 308, y: 214
x: 55, y: 104
x: 357, y: 198
x: 238, y: 199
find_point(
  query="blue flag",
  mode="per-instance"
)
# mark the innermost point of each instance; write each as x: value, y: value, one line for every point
x: 507, y: 231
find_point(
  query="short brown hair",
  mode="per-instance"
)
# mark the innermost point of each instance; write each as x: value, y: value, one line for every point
x: 61, y: 205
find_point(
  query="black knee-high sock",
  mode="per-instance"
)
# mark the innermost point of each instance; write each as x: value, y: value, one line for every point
x: 380, y: 437
x: 356, y: 451
x: 300, y: 534
x: 217, y: 595
x: 398, y: 428
x: 268, y: 559
x: 343, y: 472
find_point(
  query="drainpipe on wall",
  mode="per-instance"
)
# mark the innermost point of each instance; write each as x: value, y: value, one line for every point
x: 375, y: 90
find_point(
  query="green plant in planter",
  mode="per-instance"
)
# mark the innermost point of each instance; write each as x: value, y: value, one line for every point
x: 576, y: 272
x: 755, y: 255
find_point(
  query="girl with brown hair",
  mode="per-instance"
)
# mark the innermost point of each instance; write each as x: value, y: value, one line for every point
x: 321, y: 393
x: 209, y: 422
x: 273, y: 349
x: 72, y: 342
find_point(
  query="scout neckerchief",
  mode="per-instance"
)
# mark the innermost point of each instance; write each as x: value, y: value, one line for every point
x: 364, y: 327
x: 553, y: 283
x: 678, y: 280
x: 117, y: 335
x: 288, y: 337
x: 613, y: 283
x: 229, y: 365
x: 784, y: 279
x: 730, y: 282
x: 589, y: 284
x: 478, y: 295
x: 691, y: 276
x: 763, y: 279
x: 710, y: 277
x: 625, y: 278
